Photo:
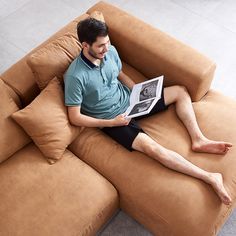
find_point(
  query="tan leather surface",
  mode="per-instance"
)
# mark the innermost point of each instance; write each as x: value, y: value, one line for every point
x: 20, y: 77
x: 46, y: 121
x: 135, y: 75
x: 97, y: 15
x: 13, y: 94
x: 165, y: 201
x: 12, y: 136
x: 53, y: 59
x: 68, y: 198
x: 42, y: 199
x: 153, y: 52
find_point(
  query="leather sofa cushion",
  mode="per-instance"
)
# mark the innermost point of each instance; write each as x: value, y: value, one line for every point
x: 97, y: 15
x: 135, y: 75
x: 12, y: 136
x: 154, y: 53
x: 172, y: 203
x: 68, y: 198
x: 13, y: 95
x: 53, y: 59
x: 46, y: 122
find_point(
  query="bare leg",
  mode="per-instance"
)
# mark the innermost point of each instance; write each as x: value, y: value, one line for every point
x: 173, y: 160
x: 184, y: 110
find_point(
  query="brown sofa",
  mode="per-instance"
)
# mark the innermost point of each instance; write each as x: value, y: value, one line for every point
x: 95, y: 176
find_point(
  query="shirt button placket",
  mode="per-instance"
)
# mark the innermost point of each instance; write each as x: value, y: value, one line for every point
x: 103, y: 76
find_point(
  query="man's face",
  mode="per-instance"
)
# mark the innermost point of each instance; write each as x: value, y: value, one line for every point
x: 149, y: 90
x: 99, y: 48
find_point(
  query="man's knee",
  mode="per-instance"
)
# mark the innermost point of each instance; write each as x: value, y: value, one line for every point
x: 182, y: 92
x: 149, y: 148
x: 175, y: 93
x: 143, y: 143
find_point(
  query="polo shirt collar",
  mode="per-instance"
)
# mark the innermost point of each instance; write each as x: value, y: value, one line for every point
x: 87, y: 61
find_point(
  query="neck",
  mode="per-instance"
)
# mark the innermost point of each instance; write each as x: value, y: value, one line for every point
x: 94, y: 60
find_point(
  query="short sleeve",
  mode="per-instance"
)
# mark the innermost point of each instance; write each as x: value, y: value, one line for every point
x: 116, y: 57
x: 73, y: 91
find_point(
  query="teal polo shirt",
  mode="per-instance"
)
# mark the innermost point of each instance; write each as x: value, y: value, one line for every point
x: 97, y: 88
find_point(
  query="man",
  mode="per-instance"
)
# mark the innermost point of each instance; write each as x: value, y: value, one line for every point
x: 97, y: 95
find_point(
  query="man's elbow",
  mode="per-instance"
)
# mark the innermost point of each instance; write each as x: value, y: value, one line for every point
x: 74, y: 115
x: 74, y: 119
x: 71, y: 119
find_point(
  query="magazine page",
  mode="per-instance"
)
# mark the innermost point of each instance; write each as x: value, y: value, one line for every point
x: 144, y: 96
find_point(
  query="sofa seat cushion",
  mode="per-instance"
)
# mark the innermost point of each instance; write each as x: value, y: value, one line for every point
x: 68, y: 198
x: 165, y: 201
x: 9, y: 129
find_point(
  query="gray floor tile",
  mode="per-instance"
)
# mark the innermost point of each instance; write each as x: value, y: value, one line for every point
x: 85, y: 5
x: 224, y: 14
x: 219, y: 44
x: 35, y: 22
x: 8, y: 7
x: 9, y: 55
x: 229, y: 228
x: 200, y: 7
x: 165, y: 15
x: 124, y: 225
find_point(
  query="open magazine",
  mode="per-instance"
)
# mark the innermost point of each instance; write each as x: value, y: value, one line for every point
x: 144, y: 96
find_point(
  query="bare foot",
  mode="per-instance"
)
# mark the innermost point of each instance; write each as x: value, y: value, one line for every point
x: 216, y: 181
x: 210, y: 146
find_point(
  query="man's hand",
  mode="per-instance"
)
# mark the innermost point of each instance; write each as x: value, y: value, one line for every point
x: 120, y: 120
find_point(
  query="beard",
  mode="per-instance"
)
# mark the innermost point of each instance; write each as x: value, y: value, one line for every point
x: 94, y: 54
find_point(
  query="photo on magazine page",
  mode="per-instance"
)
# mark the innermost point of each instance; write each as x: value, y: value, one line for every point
x: 144, y: 96
x: 148, y: 90
x: 141, y: 107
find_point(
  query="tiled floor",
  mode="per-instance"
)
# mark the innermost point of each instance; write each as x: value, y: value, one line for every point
x: 207, y: 25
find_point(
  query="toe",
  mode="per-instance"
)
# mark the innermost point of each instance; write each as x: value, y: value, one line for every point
x: 227, y: 201
x: 229, y: 145
x: 226, y: 150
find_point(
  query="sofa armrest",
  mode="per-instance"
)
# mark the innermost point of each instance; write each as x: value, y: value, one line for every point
x: 153, y: 52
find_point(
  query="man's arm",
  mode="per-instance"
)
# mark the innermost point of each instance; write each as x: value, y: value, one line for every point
x: 78, y: 119
x: 126, y: 80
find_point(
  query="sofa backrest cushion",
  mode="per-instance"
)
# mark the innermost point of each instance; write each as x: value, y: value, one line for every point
x: 46, y: 122
x: 153, y: 52
x: 12, y: 136
x: 53, y: 59
x: 97, y: 15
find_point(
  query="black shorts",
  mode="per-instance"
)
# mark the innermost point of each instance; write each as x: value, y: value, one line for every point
x: 125, y: 135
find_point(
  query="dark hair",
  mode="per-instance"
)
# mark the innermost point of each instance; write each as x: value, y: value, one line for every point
x: 89, y: 29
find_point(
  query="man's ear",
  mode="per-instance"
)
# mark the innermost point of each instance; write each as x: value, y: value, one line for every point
x: 85, y: 45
